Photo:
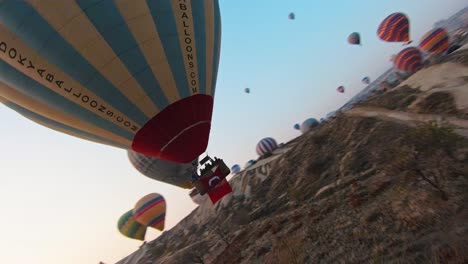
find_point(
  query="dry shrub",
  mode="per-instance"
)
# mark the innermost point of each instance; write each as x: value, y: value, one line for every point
x: 289, y: 250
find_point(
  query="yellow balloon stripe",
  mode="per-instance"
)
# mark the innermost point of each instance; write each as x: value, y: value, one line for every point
x: 10, y: 94
x: 74, y: 26
x: 59, y: 82
x: 138, y: 17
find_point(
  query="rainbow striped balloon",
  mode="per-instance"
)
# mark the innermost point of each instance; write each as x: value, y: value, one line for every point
x: 394, y: 28
x: 266, y: 145
x: 150, y: 211
x: 409, y: 60
x: 129, y: 227
x: 435, y: 41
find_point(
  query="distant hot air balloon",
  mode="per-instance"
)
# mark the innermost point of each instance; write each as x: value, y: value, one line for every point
x: 435, y: 41
x: 309, y: 124
x: 394, y: 28
x: 340, y: 89
x: 250, y: 163
x: 366, y: 80
x: 297, y: 126
x: 129, y: 227
x: 409, y: 60
x: 266, y: 146
x: 247, y: 90
x: 177, y: 174
x: 354, y: 39
x: 143, y: 78
x: 292, y: 16
x: 235, y: 169
x: 150, y: 211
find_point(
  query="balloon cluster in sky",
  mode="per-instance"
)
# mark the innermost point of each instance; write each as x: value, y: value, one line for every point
x: 150, y: 91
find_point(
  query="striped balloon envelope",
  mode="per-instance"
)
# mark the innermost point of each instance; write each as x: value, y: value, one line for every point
x: 138, y: 75
x: 409, y: 60
x: 435, y: 41
x: 177, y: 174
x: 266, y: 146
x: 129, y: 227
x: 150, y: 211
x: 235, y: 169
x: 394, y: 28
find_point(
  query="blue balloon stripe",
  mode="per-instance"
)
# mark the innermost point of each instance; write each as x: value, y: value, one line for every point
x: 28, y: 25
x: 108, y: 21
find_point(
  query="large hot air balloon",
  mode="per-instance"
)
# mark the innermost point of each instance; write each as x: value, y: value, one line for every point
x: 178, y: 174
x: 435, y: 41
x: 340, y: 89
x: 394, y: 28
x: 309, y: 124
x: 266, y: 146
x: 129, y: 227
x: 292, y: 16
x: 297, y: 126
x: 150, y: 211
x: 354, y: 39
x: 409, y: 60
x: 366, y: 80
x: 138, y: 75
x: 235, y: 169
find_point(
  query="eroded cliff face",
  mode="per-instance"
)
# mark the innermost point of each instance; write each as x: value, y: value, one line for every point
x: 385, y: 182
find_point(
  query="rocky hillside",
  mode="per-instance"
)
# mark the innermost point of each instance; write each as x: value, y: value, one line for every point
x: 386, y: 182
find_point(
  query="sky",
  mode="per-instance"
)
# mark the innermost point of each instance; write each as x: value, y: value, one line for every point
x: 61, y: 196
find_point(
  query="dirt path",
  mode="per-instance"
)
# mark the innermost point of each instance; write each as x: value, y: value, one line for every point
x: 410, y: 119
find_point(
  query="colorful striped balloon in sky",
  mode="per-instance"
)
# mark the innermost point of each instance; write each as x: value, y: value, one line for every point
x: 435, y: 41
x: 150, y: 211
x: 394, y: 28
x: 409, y: 60
x: 138, y: 75
x: 129, y: 227
x: 266, y: 146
